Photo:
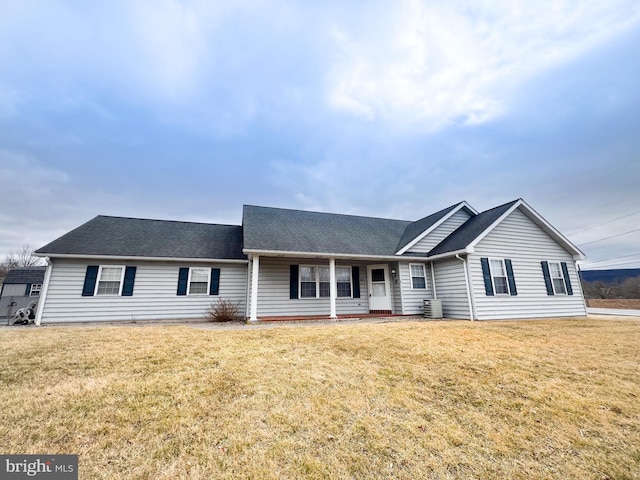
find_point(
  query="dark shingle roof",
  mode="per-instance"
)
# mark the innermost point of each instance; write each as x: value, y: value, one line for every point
x: 284, y: 230
x: 469, y: 231
x: 137, y: 237
x: 416, y: 228
x: 25, y: 275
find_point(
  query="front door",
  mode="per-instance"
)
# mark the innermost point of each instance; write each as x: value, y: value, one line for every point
x: 379, y: 291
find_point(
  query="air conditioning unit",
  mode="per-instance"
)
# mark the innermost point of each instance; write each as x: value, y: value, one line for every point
x: 433, y: 308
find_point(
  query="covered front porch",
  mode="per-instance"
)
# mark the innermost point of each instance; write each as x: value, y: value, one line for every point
x: 281, y: 288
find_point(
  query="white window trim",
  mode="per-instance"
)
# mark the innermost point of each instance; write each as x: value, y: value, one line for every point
x: 317, y: 281
x: 95, y: 291
x: 564, y: 281
x: 424, y: 274
x: 208, y: 281
x: 39, y: 285
x: 506, y: 276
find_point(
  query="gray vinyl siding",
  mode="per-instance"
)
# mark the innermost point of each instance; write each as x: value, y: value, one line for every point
x: 451, y: 288
x: 526, y: 244
x: 154, y: 294
x: 397, y: 300
x: 441, y: 232
x: 413, y: 300
x: 273, y: 291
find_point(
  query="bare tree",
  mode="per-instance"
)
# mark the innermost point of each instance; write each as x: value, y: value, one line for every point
x: 23, y: 257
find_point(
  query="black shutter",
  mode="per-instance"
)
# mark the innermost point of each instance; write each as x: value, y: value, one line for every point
x: 90, y: 280
x: 486, y: 274
x: 547, y: 277
x: 510, y: 277
x: 293, y: 282
x: 129, y: 280
x: 567, y: 280
x: 214, y: 286
x: 183, y: 278
x: 27, y: 290
x: 355, y: 277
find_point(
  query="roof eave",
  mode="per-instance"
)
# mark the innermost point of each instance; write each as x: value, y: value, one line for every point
x: 463, y: 251
x: 339, y: 256
x: 139, y: 258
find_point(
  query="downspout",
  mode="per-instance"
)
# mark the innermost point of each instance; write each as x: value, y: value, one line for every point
x: 433, y: 281
x: 43, y: 293
x: 472, y: 312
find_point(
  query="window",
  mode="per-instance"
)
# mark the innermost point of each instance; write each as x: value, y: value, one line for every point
x: 499, y: 277
x: 418, y: 278
x: 557, y: 278
x: 343, y: 279
x: 307, y: 282
x: 315, y: 281
x: 35, y: 290
x: 324, y: 281
x: 199, y: 281
x: 109, y: 280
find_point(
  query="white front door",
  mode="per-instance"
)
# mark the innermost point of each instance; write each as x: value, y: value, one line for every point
x: 379, y: 291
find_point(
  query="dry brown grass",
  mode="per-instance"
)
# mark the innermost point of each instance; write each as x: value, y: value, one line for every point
x: 624, y: 303
x: 527, y: 399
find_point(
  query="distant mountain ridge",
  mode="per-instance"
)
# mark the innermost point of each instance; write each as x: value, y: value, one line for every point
x: 616, y: 275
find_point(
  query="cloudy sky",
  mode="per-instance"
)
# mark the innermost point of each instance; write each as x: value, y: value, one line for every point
x: 187, y: 110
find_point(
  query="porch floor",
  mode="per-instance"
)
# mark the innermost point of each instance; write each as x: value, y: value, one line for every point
x: 326, y: 318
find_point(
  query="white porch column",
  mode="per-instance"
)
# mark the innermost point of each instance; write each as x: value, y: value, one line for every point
x: 255, y: 270
x: 333, y: 290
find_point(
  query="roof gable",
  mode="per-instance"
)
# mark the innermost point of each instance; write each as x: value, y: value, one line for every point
x: 467, y: 236
x: 135, y: 237
x: 297, y: 231
x: 419, y: 229
x: 464, y: 235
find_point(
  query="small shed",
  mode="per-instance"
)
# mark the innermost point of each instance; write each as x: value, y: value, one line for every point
x: 21, y: 286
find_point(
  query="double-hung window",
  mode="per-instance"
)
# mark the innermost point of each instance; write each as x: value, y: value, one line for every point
x: 557, y: 278
x: 499, y: 277
x: 35, y: 290
x: 308, y: 282
x: 418, y: 277
x: 110, y: 280
x: 343, y: 279
x: 199, y: 281
x: 315, y: 281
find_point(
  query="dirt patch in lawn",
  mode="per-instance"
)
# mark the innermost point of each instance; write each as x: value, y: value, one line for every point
x: 492, y: 400
x: 622, y: 303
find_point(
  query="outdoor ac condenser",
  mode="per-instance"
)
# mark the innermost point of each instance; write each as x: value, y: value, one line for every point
x: 433, y: 308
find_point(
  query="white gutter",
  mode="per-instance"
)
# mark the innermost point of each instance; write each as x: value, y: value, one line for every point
x: 43, y: 293
x: 337, y: 256
x: 472, y: 312
x: 140, y: 258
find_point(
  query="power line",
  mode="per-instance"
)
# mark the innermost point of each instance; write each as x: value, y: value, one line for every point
x: 604, y: 223
x: 615, y: 258
x: 621, y: 261
x: 612, y: 236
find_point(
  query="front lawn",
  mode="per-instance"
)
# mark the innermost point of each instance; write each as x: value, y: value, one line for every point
x: 522, y: 399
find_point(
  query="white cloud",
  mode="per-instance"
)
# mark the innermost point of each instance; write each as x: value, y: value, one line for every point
x: 435, y: 63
